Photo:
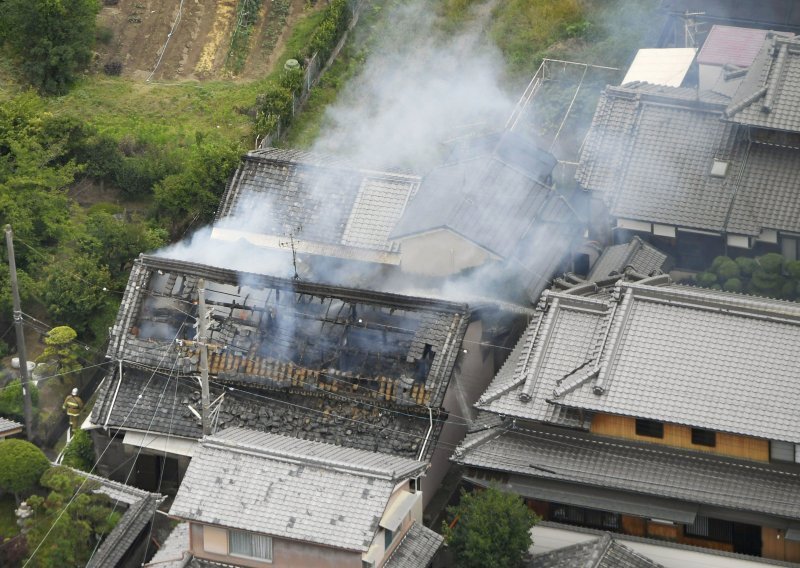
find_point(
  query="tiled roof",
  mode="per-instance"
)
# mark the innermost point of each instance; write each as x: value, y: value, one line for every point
x: 174, y: 551
x: 650, y: 152
x: 8, y: 426
x: 417, y: 549
x: 163, y: 409
x: 769, y: 95
x: 457, y: 195
x: 307, y: 491
x: 719, y: 361
x: 117, y: 543
x: 654, y: 471
x: 315, y: 198
x: 640, y: 256
x: 731, y: 45
x: 604, y: 552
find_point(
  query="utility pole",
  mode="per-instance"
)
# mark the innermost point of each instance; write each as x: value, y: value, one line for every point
x: 23, y: 359
x: 202, y: 334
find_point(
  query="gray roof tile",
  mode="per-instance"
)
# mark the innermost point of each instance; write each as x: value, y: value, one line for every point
x: 417, y: 549
x: 719, y: 361
x: 644, y: 469
x: 640, y: 256
x: 8, y: 426
x: 307, y: 491
x: 604, y: 552
x: 650, y: 153
x: 315, y: 198
x: 174, y: 551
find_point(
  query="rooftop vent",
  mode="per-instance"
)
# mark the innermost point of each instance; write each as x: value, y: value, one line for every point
x: 719, y: 168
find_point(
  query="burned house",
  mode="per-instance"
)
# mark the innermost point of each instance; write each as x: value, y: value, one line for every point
x: 491, y: 205
x: 700, y: 173
x: 356, y: 368
x: 653, y: 410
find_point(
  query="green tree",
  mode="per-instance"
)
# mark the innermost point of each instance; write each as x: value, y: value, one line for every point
x: 492, y: 528
x: 61, y: 352
x: 72, y: 290
x: 52, y: 38
x: 11, y: 399
x: 87, y: 518
x: 21, y: 466
x: 79, y: 453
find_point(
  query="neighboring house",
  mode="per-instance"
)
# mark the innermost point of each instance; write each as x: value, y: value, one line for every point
x: 700, y: 15
x: 124, y: 546
x: 9, y: 427
x: 490, y: 205
x: 726, y: 55
x: 699, y: 173
x: 355, y: 368
x: 604, y: 552
x: 653, y: 410
x: 314, y: 504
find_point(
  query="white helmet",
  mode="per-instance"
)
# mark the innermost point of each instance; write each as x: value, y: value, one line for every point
x: 75, y: 392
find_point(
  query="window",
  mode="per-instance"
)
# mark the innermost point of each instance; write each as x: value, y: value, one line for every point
x: 593, y: 518
x: 712, y: 529
x: 649, y: 428
x: 784, y: 451
x: 389, y: 537
x: 241, y: 543
x: 702, y: 437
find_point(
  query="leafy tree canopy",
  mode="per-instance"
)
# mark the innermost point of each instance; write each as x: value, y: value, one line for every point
x: 74, y: 535
x: 492, y: 528
x: 21, y: 466
x: 11, y: 399
x: 61, y: 351
x: 52, y: 38
x: 79, y: 453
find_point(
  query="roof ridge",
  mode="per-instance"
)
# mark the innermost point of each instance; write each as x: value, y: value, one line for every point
x: 298, y: 457
x: 602, y: 546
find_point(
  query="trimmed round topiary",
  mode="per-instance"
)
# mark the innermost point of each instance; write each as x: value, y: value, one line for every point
x: 793, y: 268
x: 727, y: 269
x: 717, y: 261
x: 746, y: 265
x: 21, y: 466
x: 732, y: 285
x: 771, y: 262
x: 706, y: 279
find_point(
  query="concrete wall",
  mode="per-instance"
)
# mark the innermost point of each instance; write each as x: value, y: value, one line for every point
x: 440, y: 253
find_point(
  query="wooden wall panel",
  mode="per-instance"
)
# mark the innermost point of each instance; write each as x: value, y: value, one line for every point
x: 658, y: 530
x: 680, y: 436
x: 778, y: 548
x: 636, y: 526
x: 704, y: 543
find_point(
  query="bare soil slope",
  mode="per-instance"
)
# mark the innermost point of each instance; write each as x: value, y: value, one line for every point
x: 183, y: 39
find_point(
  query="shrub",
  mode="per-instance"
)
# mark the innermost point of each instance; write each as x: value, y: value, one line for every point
x: 113, y: 68
x: 718, y: 260
x: 767, y: 283
x: 79, y: 453
x: 771, y: 262
x: 706, y: 279
x: 732, y: 285
x: 746, y: 265
x: 11, y: 404
x: 21, y: 466
x: 727, y: 269
x: 292, y: 79
x: 793, y: 269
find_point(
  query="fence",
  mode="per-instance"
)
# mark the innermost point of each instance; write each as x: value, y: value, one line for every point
x: 313, y: 71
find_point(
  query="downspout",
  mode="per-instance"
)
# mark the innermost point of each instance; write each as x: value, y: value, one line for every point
x: 427, y: 436
x: 114, y: 399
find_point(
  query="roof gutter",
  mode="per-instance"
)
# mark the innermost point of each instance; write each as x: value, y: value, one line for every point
x: 114, y: 399
x: 427, y: 436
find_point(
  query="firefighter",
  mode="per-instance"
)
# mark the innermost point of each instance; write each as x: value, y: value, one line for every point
x: 73, y: 405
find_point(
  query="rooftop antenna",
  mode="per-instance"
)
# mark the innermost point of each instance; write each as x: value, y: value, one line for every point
x: 691, y: 28
x: 290, y: 244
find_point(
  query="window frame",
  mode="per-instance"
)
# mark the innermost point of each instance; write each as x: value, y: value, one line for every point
x: 700, y: 437
x: 251, y: 536
x: 644, y: 426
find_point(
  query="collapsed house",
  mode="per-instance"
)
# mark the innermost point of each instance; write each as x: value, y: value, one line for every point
x: 491, y: 205
x: 699, y: 173
x: 355, y: 368
x: 654, y: 410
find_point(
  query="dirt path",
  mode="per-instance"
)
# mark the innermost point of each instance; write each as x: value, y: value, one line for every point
x: 194, y: 36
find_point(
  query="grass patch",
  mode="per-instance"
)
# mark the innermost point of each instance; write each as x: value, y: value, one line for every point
x: 8, y: 521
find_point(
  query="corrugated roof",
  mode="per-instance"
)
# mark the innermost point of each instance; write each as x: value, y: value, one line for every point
x: 307, y: 491
x: 604, y: 552
x: 723, y: 362
x: 8, y: 426
x: 644, y: 469
x: 731, y: 45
